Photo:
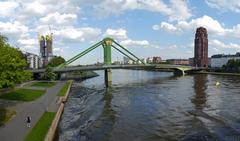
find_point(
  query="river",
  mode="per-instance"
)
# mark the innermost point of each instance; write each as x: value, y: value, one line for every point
x: 153, y: 106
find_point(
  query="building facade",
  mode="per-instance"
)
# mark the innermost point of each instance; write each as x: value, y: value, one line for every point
x: 178, y: 61
x: 201, y: 48
x: 46, y: 52
x: 157, y: 59
x: 33, y: 60
x: 218, y: 60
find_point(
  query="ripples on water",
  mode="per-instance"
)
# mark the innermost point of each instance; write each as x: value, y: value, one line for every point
x: 153, y: 106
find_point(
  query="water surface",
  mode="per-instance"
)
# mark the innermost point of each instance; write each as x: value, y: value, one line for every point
x: 153, y: 106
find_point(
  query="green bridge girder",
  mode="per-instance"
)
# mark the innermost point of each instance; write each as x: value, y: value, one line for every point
x: 107, y: 44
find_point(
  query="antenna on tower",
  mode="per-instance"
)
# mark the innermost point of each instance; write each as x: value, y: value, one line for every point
x: 50, y: 30
x: 49, y: 27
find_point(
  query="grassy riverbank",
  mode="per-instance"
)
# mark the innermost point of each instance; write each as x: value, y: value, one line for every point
x: 64, y: 89
x: 40, y: 130
x: 80, y: 75
x: 23, y: 95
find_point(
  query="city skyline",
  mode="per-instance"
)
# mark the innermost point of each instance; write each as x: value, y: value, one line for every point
x: 147, y: 28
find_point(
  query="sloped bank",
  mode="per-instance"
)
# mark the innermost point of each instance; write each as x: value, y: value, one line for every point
x: 79, y: 75
x: 52, y: 134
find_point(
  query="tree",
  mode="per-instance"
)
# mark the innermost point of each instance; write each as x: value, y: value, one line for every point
x: 232, y: 66
x: 49, y: 74
x: 12, y: 64
x: 56, y: 61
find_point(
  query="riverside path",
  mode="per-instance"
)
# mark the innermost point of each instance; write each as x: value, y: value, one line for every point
x: 15, y: 129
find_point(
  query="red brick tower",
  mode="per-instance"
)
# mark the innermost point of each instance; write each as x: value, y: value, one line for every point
x: 201, y: 48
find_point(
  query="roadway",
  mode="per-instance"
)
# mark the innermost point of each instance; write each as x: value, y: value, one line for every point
x: 103, y: 67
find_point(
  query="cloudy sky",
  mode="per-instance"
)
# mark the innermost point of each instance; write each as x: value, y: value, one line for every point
x: 163, y: 28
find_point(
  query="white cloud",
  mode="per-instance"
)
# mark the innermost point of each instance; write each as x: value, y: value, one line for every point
x: 28, y: 42
x: 13, y: 29
x: 218, y: 44
x: 213, y: 26
x: 35, y: 8
x: 38, y: 8
x: 59, y: 19
x: 57, y: 50
x: 118, y: 34
x: 176, y: 10
x: 234, y: 31
x: 7, y: 8
x: 225, y: 5
x: 166, y: 27
x: 77, y: 34
x: 135, y: 43
x: 180, y: 10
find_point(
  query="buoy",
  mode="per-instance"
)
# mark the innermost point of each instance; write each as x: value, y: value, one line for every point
x: 217, y: 83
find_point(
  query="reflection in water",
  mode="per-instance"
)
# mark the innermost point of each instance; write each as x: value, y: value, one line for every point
x: 200, y: 87
x: 103, y: 125
x: 153, y: 106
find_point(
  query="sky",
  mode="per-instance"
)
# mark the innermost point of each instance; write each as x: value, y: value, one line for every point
x: 147, y: 28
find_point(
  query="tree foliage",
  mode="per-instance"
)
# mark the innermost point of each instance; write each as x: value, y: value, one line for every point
x: 49, y: 74
x: 232, y: 66
x: 12, y: 64
x: 56, y: 61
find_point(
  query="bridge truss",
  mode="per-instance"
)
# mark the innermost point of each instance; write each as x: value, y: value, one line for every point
x: 107, y: 44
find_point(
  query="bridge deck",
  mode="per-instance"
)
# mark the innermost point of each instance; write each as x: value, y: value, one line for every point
x: 103, y: 67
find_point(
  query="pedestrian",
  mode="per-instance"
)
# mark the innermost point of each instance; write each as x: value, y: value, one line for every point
x: 28, y: 120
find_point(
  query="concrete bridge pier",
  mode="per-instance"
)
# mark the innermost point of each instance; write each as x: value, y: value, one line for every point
x: 108, y: 77
x: 63, y: 76
x: 179, y: 72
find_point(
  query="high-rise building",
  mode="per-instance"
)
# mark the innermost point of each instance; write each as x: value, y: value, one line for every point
x: 46, y: 52
x: 201, y: 48
x: 33, y: 60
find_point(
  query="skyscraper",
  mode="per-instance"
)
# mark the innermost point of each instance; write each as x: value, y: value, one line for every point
x: 46, y: 53
x: 201, y: 48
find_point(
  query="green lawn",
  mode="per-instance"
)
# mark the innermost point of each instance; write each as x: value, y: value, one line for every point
x: 23, y: 95
x: 6, y: 115
x: 64, y: 89
x: 40, y: 130
x: 43, y: 84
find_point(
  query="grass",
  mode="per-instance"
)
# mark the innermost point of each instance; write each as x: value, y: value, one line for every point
x: 64, y: 89
x: 23, y: 95
x: 6, y: 115
x: 40, y: 130
x: 43, y: 84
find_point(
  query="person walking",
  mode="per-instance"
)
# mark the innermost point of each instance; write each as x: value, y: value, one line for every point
x: 28, y: 120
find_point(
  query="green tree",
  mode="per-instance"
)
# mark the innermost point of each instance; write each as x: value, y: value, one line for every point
x: 232, y: 66
x: 56, y: 61
x: 12, y: 64
x: 49, y: 74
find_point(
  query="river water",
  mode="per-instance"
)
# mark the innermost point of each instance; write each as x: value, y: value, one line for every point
x: 153, y: 106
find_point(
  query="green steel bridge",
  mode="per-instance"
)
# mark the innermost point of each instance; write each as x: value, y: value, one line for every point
x: 108, y: 44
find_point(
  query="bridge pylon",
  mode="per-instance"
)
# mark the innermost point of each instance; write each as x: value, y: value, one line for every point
x: 107, y: 44
x: 107, y: 50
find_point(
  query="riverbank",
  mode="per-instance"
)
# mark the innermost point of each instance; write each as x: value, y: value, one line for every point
x: 79, y: 75
x: 48, y: 102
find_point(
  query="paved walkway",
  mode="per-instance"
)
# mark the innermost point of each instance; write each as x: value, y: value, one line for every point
x: 16, y: 130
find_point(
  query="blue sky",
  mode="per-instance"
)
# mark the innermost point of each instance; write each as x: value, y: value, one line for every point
x: 148, y: 28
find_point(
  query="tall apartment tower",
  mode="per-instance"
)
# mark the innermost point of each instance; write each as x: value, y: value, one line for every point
x: 46, y: 52
x: 201, y: 48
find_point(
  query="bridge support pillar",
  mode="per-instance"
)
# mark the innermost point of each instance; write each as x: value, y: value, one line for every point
x: 108, y: 77
x: 179, y: 73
